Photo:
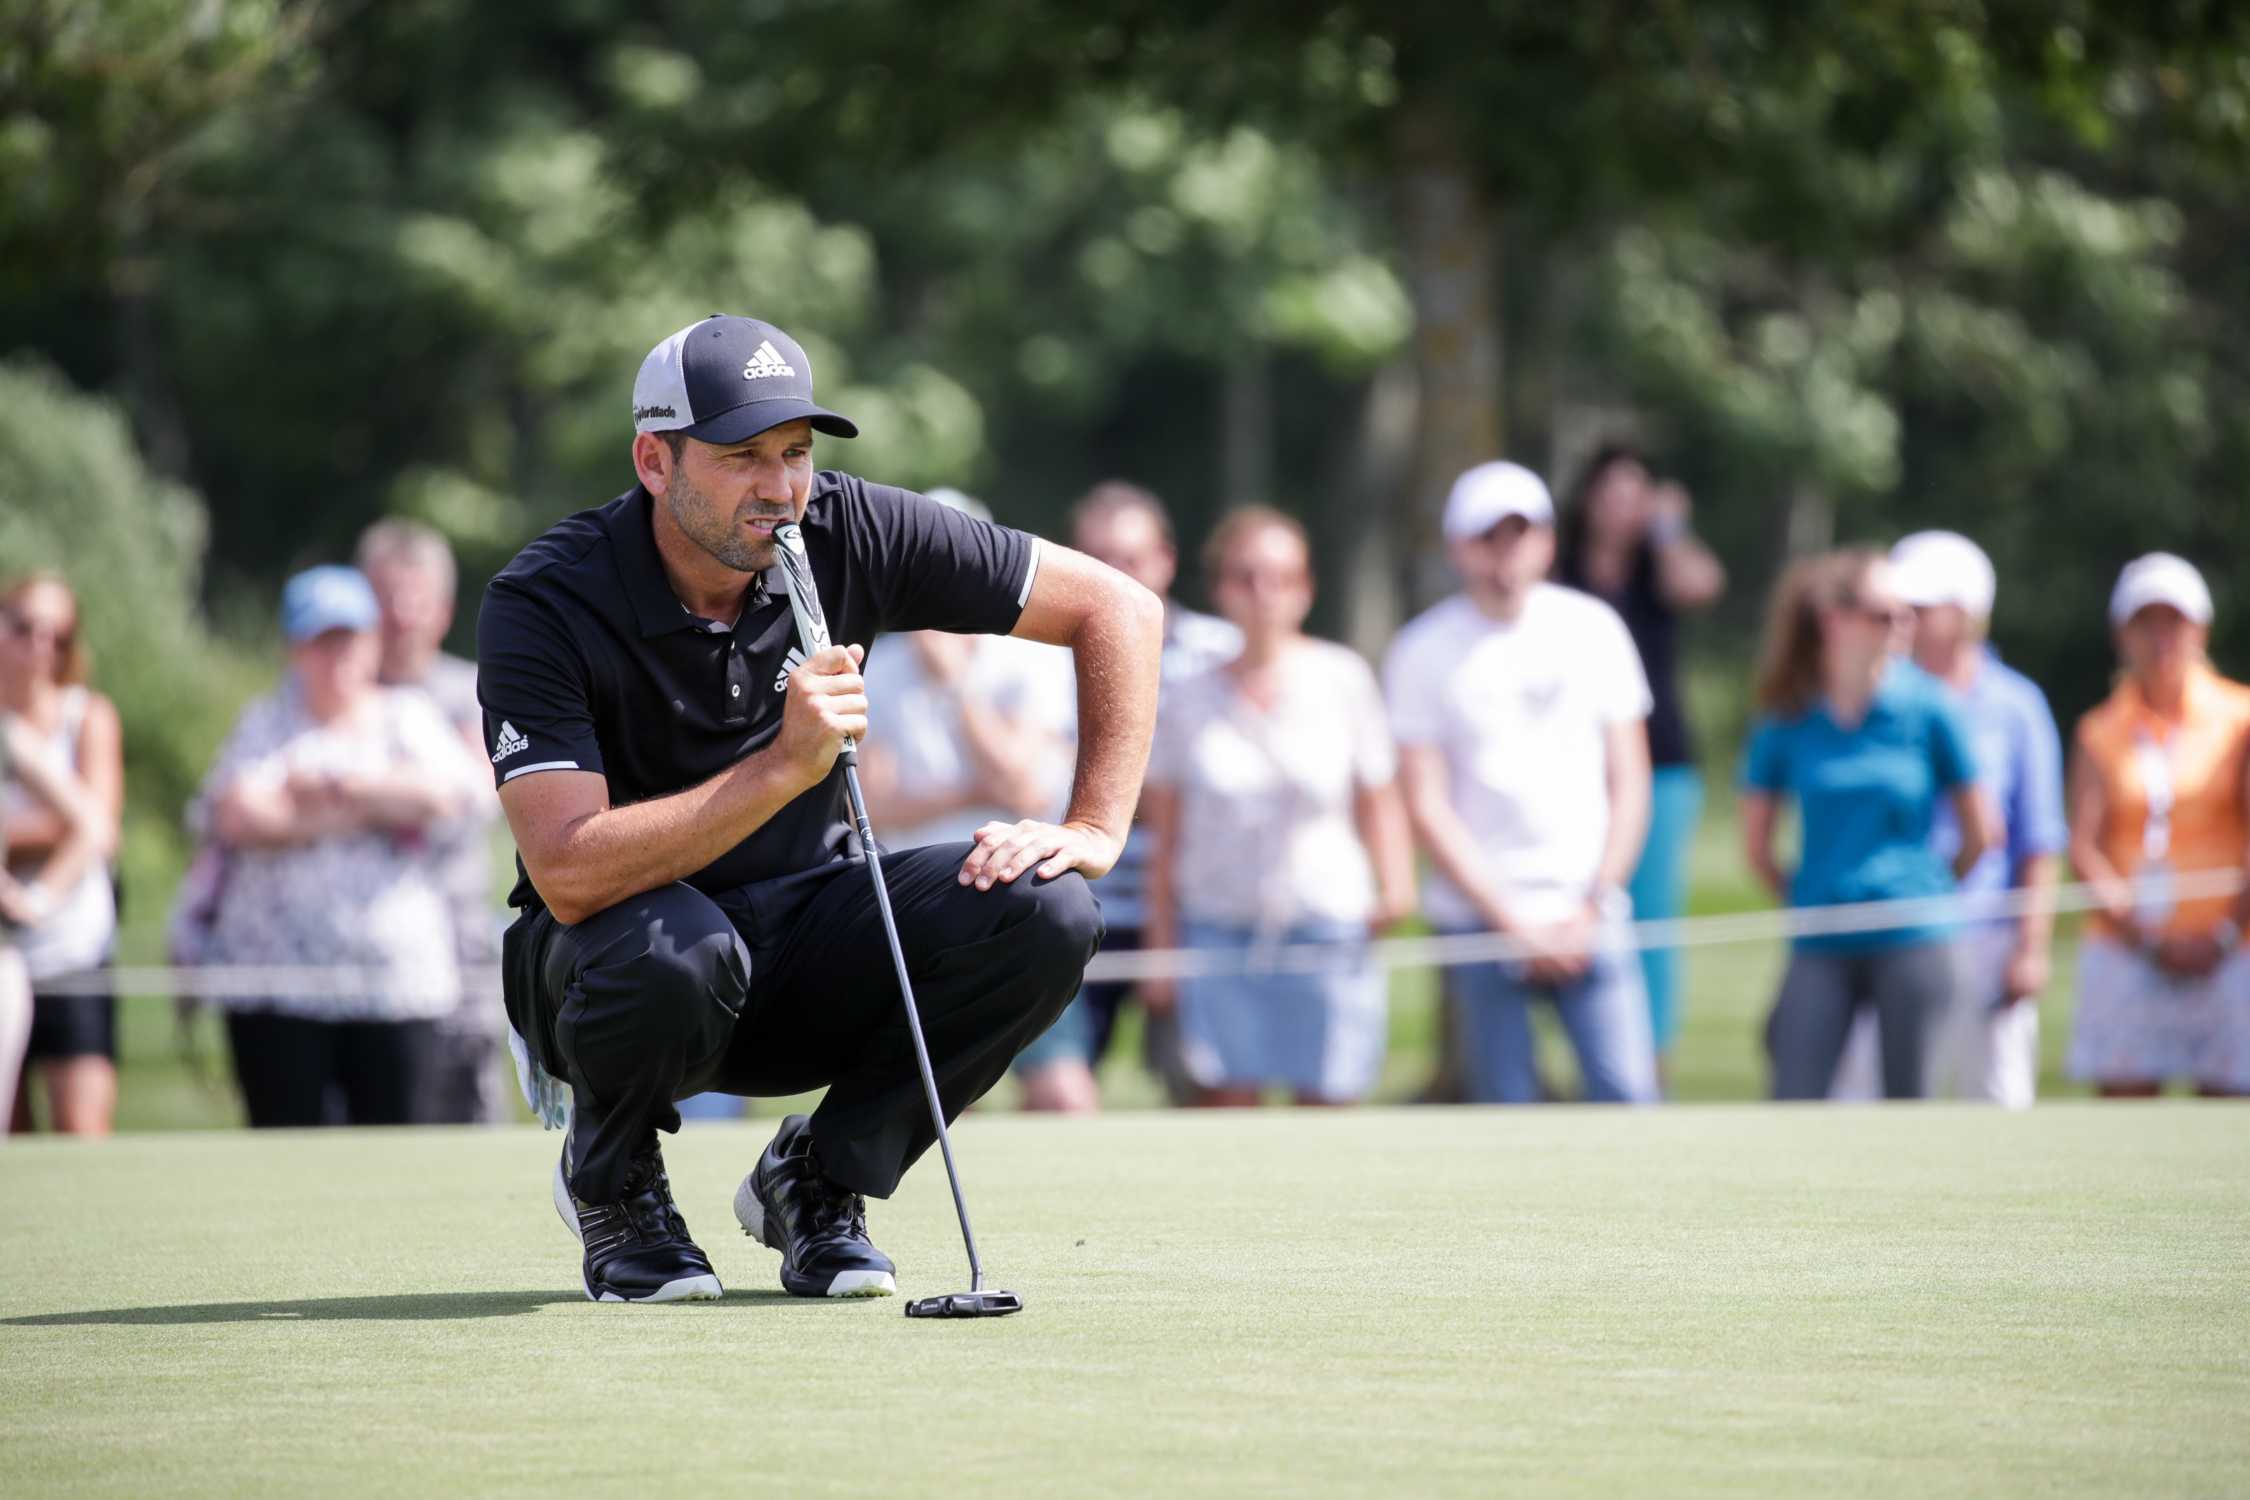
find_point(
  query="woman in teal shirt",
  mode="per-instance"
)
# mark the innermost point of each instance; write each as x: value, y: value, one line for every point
x: 1867, y: 745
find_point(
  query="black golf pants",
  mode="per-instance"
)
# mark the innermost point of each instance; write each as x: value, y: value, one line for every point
x: 786, y: 986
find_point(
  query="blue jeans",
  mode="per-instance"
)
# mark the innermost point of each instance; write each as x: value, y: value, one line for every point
x: 1659, y: 883
x: 1320, y: 1033
x: 1603, y: 1011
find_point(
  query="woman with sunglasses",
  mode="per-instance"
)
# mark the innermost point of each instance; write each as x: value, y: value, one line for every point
x: 71, y: 840
x: 1868, y: 747
x: 70, y: 923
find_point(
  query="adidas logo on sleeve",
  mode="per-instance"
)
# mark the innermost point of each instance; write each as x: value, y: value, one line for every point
x: 509, y: 742
x: 766, y: 361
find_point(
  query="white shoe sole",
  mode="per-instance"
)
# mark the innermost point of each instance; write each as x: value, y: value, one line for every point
x: 703, y: 1288
x: 751, y: 1215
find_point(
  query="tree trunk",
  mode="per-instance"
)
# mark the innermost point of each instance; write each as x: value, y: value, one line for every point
x: 1246, y: 428
x: 1365, y: 577
x: 1811, y: 523
x: 1450, y: 252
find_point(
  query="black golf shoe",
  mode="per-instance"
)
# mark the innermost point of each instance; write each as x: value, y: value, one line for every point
x: 637, y: 1249
x: 819, y: 1228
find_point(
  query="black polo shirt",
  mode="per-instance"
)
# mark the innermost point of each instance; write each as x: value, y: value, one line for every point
x: 587, y: 661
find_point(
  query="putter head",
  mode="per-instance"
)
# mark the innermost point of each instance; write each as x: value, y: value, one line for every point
x: 966, y: 1305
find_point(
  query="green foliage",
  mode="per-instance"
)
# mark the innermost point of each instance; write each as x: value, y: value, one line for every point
x: 76, y: 498
x: 1945, y: 262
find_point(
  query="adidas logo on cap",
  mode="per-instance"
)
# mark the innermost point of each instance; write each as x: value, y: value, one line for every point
x: 767, y: 361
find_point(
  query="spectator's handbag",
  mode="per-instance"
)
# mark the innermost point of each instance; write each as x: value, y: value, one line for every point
x: 189, y: 935
x: 189, y: 941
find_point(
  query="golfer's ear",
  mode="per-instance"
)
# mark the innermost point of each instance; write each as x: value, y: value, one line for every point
x: 652, y: 462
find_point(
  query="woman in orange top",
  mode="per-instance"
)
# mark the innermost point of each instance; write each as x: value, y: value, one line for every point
x: 2158, y: 791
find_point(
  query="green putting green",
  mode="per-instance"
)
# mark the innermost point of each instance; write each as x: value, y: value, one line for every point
x: 1697, y: 1300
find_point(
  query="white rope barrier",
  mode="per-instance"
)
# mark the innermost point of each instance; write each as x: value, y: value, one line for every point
x: 258, y: 981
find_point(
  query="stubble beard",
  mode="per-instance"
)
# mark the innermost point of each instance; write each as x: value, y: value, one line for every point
x: 699, y: 520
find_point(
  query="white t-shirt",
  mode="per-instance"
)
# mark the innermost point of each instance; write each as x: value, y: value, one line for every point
x: 1267, y: 835
x: 1519, y: 709
x: 918, y: 726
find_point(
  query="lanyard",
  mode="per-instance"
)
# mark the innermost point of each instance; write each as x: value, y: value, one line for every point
x: 2156, y: 781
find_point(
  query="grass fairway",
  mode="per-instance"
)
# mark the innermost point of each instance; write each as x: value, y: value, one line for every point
x: 1870, y: 1301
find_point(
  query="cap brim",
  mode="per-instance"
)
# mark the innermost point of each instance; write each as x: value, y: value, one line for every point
x: 307, y: 630
x: 753, y: 417
x: 2192, y: 610
x: 1468, y: 530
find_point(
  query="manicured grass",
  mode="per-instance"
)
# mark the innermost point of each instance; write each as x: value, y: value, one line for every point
x: 1882, y: 1301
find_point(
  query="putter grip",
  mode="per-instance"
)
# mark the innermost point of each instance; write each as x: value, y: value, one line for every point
x: 804, y: 600
x: 804, y: 595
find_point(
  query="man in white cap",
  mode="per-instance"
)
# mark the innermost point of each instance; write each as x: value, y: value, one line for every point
x: 1988, y: 1046
x: 1520, y: 709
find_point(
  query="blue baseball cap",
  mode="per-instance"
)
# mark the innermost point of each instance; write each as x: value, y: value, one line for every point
x: 330, y: 597
x: 725, y: 379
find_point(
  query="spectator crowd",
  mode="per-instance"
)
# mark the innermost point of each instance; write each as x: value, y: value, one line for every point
x: 1525, y: 742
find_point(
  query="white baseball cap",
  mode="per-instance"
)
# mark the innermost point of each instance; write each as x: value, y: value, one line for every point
x: 2160, y: 578
x: 1943, y: 567
x: 1488, y: 494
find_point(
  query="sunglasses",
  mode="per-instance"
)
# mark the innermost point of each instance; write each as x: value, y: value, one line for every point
x: 1889, y: 616
x: 24, y: 627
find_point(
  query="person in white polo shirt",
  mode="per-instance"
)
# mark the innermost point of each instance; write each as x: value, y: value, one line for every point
x: 1520, y: 707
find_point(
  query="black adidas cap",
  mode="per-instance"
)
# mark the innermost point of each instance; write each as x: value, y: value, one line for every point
x: 725, y: 379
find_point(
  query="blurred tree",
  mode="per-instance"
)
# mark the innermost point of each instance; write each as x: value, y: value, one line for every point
x: 1808, y: 153
x: 76, y: 497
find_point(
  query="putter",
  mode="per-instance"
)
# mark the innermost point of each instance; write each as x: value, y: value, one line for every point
x: 812, y: 634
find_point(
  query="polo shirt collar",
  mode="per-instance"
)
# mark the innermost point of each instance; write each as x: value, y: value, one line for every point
x: 656, y: 609
x: 2196, y: 702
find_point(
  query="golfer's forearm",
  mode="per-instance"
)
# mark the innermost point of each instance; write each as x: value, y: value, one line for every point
x: 1116, y: 650
x: 609, y: 856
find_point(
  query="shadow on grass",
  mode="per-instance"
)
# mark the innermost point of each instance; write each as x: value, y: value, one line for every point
x: 411, y: 1307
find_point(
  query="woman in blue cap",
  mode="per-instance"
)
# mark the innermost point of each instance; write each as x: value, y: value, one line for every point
x: 323, y: 798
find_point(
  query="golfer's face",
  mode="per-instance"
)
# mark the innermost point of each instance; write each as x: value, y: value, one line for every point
x: 742, y: 491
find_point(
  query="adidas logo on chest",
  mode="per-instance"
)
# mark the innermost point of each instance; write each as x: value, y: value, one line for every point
x: 789, y: 664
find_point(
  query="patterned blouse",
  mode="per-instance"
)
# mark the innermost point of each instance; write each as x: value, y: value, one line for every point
x: 375, y: 901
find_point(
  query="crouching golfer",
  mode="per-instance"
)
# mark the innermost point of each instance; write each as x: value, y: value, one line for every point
x: 692, y: 914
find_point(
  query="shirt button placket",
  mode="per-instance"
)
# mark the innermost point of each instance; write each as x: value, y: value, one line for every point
x: 735, y: 709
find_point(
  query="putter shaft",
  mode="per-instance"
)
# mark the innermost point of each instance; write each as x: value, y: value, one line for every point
x: 913, y: 1014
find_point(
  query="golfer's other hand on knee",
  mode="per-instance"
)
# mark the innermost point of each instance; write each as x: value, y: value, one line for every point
x: 1006, y: 850
x: 826, y: 705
